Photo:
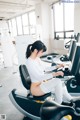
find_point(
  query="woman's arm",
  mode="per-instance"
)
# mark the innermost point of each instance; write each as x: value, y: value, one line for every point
x: 52, y: 68
x: 36, y: 76
x: 47, y: 66
x: 59, y: 73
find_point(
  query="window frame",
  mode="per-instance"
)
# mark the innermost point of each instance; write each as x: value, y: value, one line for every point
x: 64, y: 31
x: 29, y: 26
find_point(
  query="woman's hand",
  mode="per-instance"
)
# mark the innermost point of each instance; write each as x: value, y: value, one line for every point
x: 59, y: 73
x: 59, y: 66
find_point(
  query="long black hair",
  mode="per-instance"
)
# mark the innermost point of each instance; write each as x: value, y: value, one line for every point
x: 36, y: 45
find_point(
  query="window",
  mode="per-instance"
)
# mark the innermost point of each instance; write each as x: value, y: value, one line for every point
x: 25, y: 23
x: 58, y: 17
x: 19, y: 25
x: 61, y: 35
x: 32, y: 22
x: 69, y: 16
x: 10, y: 26
x: 14, y: 29
x: 69, y: 34
x: 63, y: 20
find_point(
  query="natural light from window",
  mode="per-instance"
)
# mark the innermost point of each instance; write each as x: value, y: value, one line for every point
x: 14, y: 30
x: 58, y: 8
x: 32, y: 22
x: 69, y: 16
x: 19, y: 25
x: 25, y: 23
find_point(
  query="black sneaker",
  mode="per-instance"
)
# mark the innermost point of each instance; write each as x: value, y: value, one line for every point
x: 68, y: 104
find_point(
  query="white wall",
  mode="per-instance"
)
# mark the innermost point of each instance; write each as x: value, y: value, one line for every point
x: 58, y: 46
x: 21, y: 46
x: 43, y: 17
x: 77, y: 18
x: 8, y: 49
x: 3, y: 26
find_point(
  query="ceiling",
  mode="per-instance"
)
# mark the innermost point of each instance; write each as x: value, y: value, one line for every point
x: 11, y: 8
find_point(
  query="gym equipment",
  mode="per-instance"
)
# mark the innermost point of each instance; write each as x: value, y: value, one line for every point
x: 39, y: 108
x: 77, y: 37
x: 32, y: 103
x: 71, y: 49
x: 52, y: 57
x: 67, y: 45
x: 53, y: 111
x: 49, y: 57
x: 71, y: 52
x: 63, y: 58
x: 73, y: 85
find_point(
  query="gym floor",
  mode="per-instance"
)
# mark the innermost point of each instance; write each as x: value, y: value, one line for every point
x: 10, y: 79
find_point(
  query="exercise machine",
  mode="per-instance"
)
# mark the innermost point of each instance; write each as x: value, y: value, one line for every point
x: 64, y: 58
x: 69, y: 56
x: 77, y: 37
x: 73, y: 86
x: 28, y: 105
x: 41, y: 107
x: 54, y: 57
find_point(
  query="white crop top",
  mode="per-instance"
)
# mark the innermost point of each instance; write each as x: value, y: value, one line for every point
x: 38, y: 70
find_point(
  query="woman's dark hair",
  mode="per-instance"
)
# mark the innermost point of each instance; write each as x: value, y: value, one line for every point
x: 36, y: 45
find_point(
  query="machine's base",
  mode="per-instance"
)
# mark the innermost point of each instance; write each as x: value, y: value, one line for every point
x: 72, y: 87
x: 27, y: 118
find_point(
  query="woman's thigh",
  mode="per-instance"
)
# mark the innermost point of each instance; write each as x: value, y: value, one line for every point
x: 49, y: 86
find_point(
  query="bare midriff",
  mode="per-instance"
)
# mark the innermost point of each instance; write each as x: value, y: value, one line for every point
x: 35, y: 89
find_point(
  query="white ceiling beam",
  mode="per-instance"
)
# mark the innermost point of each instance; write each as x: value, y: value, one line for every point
x: 19, y: 4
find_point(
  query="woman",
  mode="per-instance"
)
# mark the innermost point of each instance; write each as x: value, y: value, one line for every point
x: 42, y: 80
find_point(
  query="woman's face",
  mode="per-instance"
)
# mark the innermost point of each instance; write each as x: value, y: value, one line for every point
x: 39, y: 54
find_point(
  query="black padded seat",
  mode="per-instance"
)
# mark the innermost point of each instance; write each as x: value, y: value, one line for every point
x: 51, y: 110
x: 26, y: 81
x: 25, y: 78
x: 24, y: 104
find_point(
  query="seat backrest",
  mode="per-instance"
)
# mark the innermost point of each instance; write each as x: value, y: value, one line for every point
x: 25, y: 78
x: 26, y: 81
